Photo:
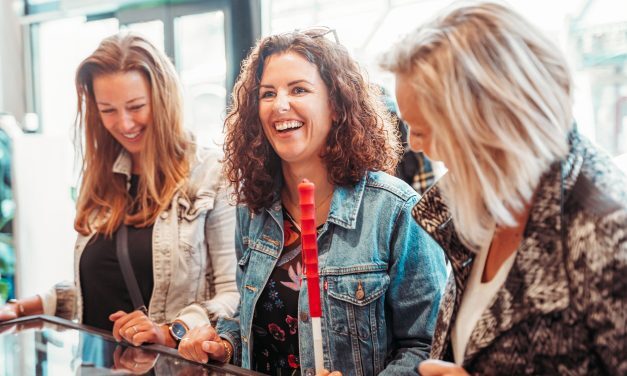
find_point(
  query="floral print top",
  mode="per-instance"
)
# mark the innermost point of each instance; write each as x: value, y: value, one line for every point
x: 275, y: 322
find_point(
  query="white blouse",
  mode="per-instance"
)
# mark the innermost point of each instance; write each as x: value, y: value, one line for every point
x: 477, y: 298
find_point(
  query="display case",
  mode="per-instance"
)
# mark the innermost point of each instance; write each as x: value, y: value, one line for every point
x: 45, y: 345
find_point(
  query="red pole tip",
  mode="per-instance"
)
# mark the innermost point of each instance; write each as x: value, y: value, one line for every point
x: 306, y: 191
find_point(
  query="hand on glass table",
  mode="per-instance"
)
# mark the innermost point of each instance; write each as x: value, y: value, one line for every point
x: 9, y: 311
x: 203, y: 343
x: 137, y: 328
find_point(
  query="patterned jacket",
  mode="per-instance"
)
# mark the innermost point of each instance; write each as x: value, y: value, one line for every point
x: 562, y: 307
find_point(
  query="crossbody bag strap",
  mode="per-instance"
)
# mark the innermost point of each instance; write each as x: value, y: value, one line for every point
x: 121, y: 239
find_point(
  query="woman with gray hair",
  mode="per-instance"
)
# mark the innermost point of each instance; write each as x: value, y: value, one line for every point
x: 532, y: 216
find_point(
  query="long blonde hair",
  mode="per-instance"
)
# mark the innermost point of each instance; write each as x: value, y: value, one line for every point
x: 104, y: 202
x: 497, y: 95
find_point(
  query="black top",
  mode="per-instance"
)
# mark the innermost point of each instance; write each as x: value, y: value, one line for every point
x: 102, y: 284
x: 275, y: 321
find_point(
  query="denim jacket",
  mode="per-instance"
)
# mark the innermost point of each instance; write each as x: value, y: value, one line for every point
x: 381, y: 278
x: 193, y: 252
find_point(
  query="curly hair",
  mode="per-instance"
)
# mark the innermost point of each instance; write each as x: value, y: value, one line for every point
x: 362, y: 139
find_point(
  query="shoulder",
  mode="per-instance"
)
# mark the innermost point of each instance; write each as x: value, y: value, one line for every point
x: 600, y: 187
x: 206, y: 158
x: 390, y: 185
x: 206, y: 168
x: 596, y: 212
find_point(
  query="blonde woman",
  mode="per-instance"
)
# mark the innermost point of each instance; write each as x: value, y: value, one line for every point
x: 142, y: 170
x: 538, y: 236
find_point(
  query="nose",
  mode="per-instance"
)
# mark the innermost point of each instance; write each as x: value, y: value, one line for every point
x: 126, y: 122
x: 282, y: 103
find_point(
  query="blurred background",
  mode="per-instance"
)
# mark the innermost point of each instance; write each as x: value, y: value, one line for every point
x: 42, y: 42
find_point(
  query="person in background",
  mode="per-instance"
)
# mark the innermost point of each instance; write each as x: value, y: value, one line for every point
x: 142, y: 170
x: 531, y: 214
x: 302, y: 109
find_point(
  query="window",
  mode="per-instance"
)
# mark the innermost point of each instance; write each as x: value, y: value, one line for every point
x: 592, y: 34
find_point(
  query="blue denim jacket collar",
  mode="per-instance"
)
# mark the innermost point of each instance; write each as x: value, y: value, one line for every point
x: 345, y: 205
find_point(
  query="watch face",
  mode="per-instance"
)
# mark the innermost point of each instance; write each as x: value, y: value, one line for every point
x: 178, y: 330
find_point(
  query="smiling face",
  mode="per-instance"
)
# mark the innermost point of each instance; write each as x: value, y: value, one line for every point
x: 419, y: 130
x: 123, y: 101
x: 294, y: 107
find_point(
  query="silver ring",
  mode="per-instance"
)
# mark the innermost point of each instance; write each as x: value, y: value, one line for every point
x: 186, y: 339
x: 135, y: 329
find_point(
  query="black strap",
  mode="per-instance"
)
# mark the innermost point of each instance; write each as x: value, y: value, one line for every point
x: 121, y: 238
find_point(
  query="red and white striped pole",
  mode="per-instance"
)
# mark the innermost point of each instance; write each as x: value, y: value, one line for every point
x: 309, y: 243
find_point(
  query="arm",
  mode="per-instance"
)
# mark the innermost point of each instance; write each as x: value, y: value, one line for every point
x: 417, y: 279
x: 221, y: 261
x: 228, y: 328
x: 58, y: 301
x: 22, y: 307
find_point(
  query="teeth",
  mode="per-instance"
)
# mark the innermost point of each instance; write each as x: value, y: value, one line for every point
x: 283, y: 125
x: 131, y: 135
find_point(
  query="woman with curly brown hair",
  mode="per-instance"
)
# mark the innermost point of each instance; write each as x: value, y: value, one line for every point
x: 302, y: 109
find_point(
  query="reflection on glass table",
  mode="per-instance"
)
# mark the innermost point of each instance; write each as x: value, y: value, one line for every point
x: 44, y: 345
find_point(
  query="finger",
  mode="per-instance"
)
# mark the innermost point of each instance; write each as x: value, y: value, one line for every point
x: 214, y: 349
x: 324, y: 372
x: 121, y: 319
x: 7, y: 314
x: 135, y: 326
x: 199, y: 354
x: 116, y: 315
x: 184, y: 348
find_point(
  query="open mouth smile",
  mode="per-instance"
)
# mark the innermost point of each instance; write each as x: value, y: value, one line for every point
x: 284, y: 126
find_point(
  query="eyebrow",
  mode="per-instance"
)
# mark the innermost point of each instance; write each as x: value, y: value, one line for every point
x: 129, y: 101
x: 291, y: 83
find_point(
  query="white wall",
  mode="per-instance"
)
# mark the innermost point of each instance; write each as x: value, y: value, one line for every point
x: 43, y: 225
x: 12, y: 97
x: 42, y: 176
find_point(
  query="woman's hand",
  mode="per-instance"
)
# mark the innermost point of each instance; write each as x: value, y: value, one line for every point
x: 203, y: 343
x: 9, y: 312
x: 434, y: 367
x: 136, y: 328
x: 324, y: 372
x: 135, y: 361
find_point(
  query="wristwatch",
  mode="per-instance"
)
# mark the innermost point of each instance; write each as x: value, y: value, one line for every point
x: 177, y: 329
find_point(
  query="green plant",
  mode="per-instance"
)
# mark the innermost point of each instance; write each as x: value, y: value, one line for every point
x: 7, y: 266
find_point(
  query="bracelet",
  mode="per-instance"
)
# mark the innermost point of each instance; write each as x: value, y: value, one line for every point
x: 228, y: 350
x: 20, y: 307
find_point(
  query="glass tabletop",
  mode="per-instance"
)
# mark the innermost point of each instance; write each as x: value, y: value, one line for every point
x: 44, y: 345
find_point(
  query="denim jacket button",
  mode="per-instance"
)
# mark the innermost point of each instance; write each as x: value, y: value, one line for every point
x: 359, y: 293
x: 309, y: 372
x: 304, y: 316
x: 164, y: 215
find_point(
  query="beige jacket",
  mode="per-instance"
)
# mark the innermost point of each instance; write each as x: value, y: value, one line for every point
x: 193, y: 252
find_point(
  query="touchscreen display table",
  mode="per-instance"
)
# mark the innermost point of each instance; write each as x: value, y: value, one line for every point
x: 45, y: 345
